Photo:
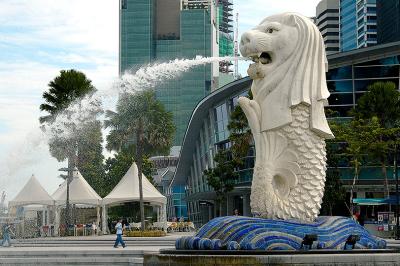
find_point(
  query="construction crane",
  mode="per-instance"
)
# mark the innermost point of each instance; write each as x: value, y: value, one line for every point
x: 237, y: 46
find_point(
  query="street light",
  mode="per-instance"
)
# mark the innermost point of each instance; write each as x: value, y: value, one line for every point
x: 396, y: 175
x: 67, y: 207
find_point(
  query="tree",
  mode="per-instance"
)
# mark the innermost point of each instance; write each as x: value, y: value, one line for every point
x: 69, y: 86
x: 140, y: 121
x: 82, y: 144
x: 240, y: 134
x: 334, y: 190
x: 222, y: 177
x: 350, y: 145
x: 380, y: 107
x: 382, y: 100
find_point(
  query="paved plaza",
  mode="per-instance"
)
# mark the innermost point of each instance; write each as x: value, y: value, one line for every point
x: 90, y: 250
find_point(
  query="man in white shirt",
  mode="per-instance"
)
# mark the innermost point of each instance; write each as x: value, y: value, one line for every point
x: 119, y: 230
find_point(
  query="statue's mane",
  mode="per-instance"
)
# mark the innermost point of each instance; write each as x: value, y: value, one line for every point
x: 300, y: 79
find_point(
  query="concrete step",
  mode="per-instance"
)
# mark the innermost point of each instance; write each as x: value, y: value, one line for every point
x: 68, y: 256
x: 72, y: 261
x: 89, y: 242
x: 15, y: 253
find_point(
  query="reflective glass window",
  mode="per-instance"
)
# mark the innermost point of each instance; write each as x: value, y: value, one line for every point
x: 339, y: 73
x: 340, y: 86
x: 385, y: 61
x: 376, y: 71
x: 340, y: 98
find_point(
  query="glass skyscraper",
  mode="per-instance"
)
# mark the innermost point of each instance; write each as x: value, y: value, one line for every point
x: 366, y: 23
x: 348, y: 22
x: 357, y: 24
x: 327, y: 21
x: 388, y: 20
x: 161, y: 30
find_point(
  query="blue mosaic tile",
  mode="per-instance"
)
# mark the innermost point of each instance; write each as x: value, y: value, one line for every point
x: 249, y: 233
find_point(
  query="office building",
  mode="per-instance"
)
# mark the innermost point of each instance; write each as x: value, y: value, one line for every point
x: 357, y: 24
x: 366, y: 23
x: 348, y: 25
x: 226, y: 38
x: 163, y: 172
x: 327, y: 21
x: 388, y: 20
x: 160, y: 30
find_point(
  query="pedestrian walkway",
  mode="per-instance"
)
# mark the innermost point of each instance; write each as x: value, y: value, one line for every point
x: 91, y: 250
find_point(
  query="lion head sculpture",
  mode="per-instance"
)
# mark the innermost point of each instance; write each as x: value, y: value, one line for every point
x: 289, y: 67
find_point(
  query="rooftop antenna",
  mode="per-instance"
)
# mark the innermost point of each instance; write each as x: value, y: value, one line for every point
x: 236, y: 46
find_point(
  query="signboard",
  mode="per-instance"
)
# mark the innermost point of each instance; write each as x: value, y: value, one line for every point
x: 385, y: 217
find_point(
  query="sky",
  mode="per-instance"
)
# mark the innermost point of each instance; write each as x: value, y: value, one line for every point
x: 38, y: 38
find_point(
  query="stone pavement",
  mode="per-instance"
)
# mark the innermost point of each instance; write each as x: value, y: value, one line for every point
x: 87, y: 250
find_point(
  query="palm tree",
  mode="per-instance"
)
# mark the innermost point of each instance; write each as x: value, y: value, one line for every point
x: 63, y: 90
x: 69, y: 86
x: 142, y: 122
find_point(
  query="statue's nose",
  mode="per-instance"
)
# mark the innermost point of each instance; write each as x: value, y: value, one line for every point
x: 246, y: 38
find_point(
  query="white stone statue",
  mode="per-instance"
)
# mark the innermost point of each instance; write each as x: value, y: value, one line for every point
x: 287, y: 116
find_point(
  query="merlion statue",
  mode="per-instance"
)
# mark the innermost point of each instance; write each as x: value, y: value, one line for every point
x: 286, y: 116
x: 287, y: 119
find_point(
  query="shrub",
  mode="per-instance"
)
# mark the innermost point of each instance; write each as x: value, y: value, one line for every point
x: 152, y: 233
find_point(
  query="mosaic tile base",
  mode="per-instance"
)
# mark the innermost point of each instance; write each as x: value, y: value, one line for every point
x: 247, y: 233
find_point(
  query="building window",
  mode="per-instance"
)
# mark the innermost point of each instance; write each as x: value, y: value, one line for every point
x: 124, y: 4
x: 340, y: 86
x: 339, y: 73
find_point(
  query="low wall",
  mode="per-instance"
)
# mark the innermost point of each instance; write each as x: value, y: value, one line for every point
x: 341, y: 258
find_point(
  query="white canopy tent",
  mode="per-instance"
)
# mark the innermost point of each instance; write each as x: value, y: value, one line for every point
x: 33, y: 194
x: 80, y: 192
x: 127, y: 190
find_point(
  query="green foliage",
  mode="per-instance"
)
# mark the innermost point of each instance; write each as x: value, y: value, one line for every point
x: 147, y: 233
x: 334, y: 191
x: 382, y: 100
x: 63, y: 90
x: 84, y: 144
x: 222, y: 177
x: 240, y: 135
x: 372, y: 133
x: 90, y: 157
x: 158, y: 126
x: 140, y: 122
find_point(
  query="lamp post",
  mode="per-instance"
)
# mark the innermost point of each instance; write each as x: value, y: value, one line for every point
x: 68, y: 177
x: 396, y: 174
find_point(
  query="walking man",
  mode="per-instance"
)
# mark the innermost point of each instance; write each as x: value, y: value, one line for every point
x: 119, y: 230
x: 6, y: 235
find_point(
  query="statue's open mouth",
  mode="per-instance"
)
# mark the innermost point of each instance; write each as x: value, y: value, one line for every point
x: 264, y: 58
